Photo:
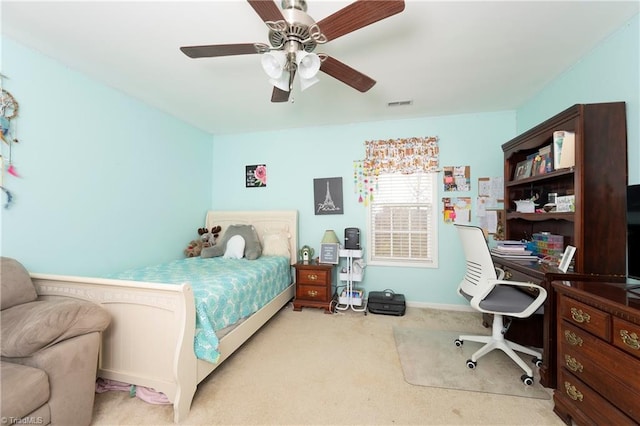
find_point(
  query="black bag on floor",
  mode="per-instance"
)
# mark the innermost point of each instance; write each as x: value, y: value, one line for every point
x: 386, y: 303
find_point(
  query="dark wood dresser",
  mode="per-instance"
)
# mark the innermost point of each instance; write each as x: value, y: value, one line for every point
x: 598, y: 352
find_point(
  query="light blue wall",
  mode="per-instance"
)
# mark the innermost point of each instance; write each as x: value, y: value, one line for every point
x: 295, y: 157
x: 107, y: 182
x: 110, y: 183
x: 611, y: 72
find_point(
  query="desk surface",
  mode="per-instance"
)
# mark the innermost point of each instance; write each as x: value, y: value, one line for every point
x: 623, y: 293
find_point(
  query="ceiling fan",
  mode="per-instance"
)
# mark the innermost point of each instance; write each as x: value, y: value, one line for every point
x: 294, y: 35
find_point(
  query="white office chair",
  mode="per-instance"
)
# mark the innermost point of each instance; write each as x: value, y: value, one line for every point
x: 487, y: 292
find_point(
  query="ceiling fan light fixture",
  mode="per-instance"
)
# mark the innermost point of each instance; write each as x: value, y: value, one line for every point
x: 282, y: 82
x: 273, y: 63
x: 308, y: 64
x: 305, y: 83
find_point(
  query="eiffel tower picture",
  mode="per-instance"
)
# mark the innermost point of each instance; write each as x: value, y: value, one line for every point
x: 328, y: 196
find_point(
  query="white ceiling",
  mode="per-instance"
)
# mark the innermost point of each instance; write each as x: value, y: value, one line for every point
x: 448, y: 57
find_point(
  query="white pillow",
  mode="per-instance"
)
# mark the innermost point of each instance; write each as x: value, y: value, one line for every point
x: 235, y: 248
x: 275, y: 244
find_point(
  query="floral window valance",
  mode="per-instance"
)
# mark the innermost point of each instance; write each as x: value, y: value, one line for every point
x: 407, y: 156
x: 412, y: 155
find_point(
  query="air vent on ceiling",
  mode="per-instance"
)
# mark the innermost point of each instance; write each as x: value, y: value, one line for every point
x: 399, y: 103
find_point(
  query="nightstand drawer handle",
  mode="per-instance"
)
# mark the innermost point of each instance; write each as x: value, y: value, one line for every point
x: 573, y: 393
x: 630, y: 339
x: 573, y: 364
x: 312, y: 277
x: 312, y: 293
x: 579, y: 316
x: 572, y: 339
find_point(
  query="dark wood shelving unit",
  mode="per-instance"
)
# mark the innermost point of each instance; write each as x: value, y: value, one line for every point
x: 597, y: 228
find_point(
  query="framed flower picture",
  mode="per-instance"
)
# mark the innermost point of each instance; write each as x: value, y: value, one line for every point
x: 256, y: 176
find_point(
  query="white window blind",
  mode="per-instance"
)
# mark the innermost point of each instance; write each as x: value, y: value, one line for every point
x: 402, y: 220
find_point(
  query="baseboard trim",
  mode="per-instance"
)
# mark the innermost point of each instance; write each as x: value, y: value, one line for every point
x: 441, y: 306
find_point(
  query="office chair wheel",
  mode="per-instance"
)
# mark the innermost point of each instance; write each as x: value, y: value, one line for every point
x: 537, y: 361
x: 471, y: 364
x: 458, y: 342
x: 527, y: 380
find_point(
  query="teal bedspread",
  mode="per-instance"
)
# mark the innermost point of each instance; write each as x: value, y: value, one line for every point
x: 225, y: 290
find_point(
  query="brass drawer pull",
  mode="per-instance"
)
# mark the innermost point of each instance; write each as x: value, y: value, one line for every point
x: 579, y: 316
x: 573, y: 393
x: 573, y: 364
x: 630, y: 339
x: 312, y: 277
x: 312, y: 293
x: 572, y: 339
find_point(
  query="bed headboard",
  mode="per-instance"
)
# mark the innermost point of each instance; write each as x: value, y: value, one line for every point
x: 263, y: 220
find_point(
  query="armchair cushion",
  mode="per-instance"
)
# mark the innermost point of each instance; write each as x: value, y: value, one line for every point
x: 19, y: 381
x: 17, y: 287
x: 29, y: 327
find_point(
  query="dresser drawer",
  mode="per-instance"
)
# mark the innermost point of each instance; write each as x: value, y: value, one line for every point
x: 311, y: 292
x: 585, y: 399
x: 600, y: 365
x: 626, y: 336
x: 586, y: 317
x: 313, y: 276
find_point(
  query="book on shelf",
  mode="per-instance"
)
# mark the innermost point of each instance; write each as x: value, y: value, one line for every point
x: 511, y: 249
x: 564, y: 145
x: 515, y: 256
x: 507, y: 243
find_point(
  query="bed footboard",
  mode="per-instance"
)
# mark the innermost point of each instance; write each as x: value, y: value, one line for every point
x: 150, y: 339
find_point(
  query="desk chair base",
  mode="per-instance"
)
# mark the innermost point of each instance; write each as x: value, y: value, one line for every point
x: 497, y: 341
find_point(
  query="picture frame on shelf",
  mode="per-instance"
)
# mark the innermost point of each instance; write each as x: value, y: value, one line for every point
x: 543, y: 162
x: 523, y: 169
x: 329, y: 253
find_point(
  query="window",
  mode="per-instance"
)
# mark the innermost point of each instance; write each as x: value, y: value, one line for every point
x: 402, y: 221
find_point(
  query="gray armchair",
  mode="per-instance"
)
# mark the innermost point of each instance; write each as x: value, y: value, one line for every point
x: 49, y: 352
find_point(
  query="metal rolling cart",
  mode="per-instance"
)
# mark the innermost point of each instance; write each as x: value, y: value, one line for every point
x: 351, y: 298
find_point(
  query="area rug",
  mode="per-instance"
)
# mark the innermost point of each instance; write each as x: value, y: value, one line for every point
x: 431, y: 358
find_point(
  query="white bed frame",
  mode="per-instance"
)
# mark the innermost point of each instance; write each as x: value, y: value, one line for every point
x: 151, y: 336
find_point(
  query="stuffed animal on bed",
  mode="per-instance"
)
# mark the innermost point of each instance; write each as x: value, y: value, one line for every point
x: 252, y: 247
x: 207, y: 239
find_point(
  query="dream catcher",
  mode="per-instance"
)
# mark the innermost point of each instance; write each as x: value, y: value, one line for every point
x: 8, y: 111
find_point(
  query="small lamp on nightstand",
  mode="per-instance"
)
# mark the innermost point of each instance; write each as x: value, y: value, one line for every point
x: 330, y: 237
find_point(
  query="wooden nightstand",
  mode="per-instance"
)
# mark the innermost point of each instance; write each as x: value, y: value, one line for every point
x: 314, y: 286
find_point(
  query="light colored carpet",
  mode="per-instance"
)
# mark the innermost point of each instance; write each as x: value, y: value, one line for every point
x: 430, y: 358
x: 308, y: 368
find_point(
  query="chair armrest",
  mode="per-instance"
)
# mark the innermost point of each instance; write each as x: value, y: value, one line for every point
x: 32, y: 326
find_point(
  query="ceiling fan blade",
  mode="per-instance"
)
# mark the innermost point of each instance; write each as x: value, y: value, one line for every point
x: 214, y: 50
x: 346, y: 74
x: 357, y: 15
x: 279, y: 95
x: 267, y: 10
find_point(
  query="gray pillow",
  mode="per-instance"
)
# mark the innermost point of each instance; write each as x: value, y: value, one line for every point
x: 16, y: 284
x: 252, y: 247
